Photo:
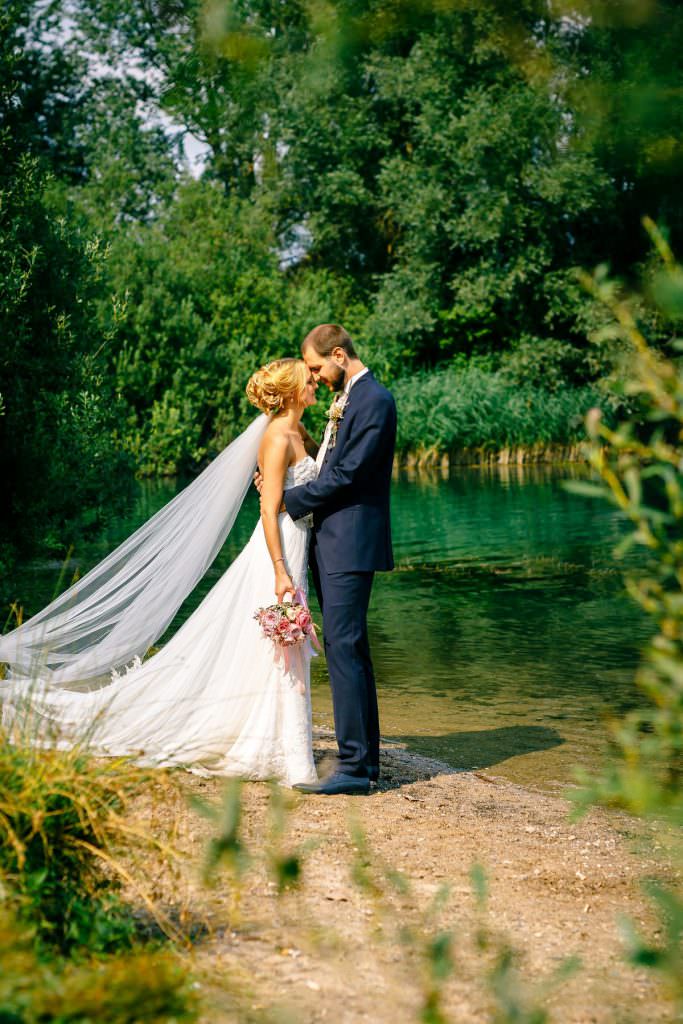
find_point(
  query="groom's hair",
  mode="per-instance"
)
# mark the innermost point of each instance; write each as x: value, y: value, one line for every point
x: 326, y: 337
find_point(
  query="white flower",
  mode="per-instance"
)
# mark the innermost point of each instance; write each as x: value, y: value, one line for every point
x: 335, y: 415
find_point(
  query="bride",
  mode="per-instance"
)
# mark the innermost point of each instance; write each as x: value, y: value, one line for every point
x: 215, y: 699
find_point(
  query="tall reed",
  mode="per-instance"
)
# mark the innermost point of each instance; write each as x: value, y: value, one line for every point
x: 471, y: 407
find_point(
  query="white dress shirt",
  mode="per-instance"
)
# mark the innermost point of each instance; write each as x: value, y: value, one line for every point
x: 341, y: 400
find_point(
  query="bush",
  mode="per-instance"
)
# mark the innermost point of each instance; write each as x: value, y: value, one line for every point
x: 640, y: 466
x: 64, y: 818
x: 59, y: 457
x: 139, y: 988
x: 468, y: 406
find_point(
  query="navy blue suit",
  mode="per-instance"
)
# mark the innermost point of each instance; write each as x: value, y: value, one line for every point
x: 351, y: 541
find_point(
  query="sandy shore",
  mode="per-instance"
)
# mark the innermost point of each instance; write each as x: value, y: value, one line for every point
x: 333, y: 950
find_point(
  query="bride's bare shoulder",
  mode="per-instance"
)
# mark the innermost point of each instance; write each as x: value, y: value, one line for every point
x: 275, y: 443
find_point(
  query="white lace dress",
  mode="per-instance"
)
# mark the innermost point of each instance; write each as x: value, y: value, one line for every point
x: 215, y: 699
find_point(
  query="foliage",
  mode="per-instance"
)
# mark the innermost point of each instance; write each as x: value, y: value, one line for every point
x: 206, y: 305
x: 665, y: 958
x: 469, y: 406
x: 451, y: 159
x: 432, y: 176
x: 64, y: 817
x: 228, y: 851
x: 41, y: 87
x: 134, y: 988
x: 58, y: 451
x: 202, y: 299
x: 624, y: 79
x: 482, y: 200
x: 447, y: 157
x: 429, y: 175
x: 641, y: 471
x: 59, y: 422
x: 639, y: 462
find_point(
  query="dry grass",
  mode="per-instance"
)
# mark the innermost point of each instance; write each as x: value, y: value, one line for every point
x: 66, y: 817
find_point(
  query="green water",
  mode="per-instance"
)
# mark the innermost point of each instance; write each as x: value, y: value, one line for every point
x: 503, y: 641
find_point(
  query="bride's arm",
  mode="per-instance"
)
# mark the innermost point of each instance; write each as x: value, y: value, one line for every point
x: 275, y: 461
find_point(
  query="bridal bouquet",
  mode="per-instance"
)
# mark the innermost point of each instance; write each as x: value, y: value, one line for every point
x: 287, y: 624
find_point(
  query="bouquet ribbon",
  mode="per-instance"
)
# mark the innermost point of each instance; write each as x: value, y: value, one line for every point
x: 300, y: 598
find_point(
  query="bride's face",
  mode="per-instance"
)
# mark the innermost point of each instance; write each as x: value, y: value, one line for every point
x: 309, y: 397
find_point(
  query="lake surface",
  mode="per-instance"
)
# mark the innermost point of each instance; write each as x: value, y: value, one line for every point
x: 502, y: 642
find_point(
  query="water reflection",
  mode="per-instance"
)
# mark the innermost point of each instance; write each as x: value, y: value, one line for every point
x: 503, y: 641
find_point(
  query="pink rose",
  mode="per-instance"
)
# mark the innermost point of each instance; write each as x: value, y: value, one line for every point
x: 269, y: 620
x: 303, y: 619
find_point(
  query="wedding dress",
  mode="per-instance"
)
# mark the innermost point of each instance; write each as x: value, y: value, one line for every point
x: 215, y: 699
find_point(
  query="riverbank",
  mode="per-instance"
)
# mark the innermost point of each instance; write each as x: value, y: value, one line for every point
x: 482, y: 416
x: 332, y: 951
x: 516, y: 455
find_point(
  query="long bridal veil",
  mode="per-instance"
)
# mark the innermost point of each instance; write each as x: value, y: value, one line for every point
x: 116, y: 612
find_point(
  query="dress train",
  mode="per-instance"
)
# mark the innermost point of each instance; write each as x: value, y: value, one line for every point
x: 214, y: 699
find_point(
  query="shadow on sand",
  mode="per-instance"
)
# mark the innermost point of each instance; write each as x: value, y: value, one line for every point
x: 406, y: 759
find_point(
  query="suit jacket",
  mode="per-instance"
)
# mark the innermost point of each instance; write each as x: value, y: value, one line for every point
x: 350, y: 498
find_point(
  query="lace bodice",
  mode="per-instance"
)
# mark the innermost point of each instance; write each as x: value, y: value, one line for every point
x: 301, y: 472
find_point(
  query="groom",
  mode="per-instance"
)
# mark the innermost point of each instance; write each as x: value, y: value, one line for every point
x: 351, y: 541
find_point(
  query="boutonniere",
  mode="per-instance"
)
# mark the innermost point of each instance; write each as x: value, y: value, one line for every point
x: 335, y: 415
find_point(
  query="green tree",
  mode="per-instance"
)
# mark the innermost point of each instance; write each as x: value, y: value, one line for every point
x: 125, y: 166
x: 429, y: 174
x: 58, y: 455
x: 625, y: 91
x: 207, y: 304
x: 485, y: 198
x: 217, y: 94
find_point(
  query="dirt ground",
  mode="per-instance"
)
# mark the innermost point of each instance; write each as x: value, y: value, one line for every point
x: 345, y: 949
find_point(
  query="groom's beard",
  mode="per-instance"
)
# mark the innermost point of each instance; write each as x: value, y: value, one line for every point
x: 337, y: 383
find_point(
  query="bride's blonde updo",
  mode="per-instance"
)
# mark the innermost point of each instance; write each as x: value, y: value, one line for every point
x: 276, y: 383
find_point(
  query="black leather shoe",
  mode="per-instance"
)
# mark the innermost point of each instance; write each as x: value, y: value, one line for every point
x: 335, y: 784
x: 373, y: 772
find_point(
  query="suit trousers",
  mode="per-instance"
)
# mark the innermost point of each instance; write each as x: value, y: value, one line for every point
x: 344, y: 598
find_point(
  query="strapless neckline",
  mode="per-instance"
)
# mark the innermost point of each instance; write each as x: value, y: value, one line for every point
x: 301, y: 472
x: 306, y: 458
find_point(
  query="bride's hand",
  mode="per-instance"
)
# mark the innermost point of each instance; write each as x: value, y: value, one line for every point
x: 283, y: 584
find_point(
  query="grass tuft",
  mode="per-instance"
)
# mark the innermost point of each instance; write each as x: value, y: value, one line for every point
x: 65, y: 822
